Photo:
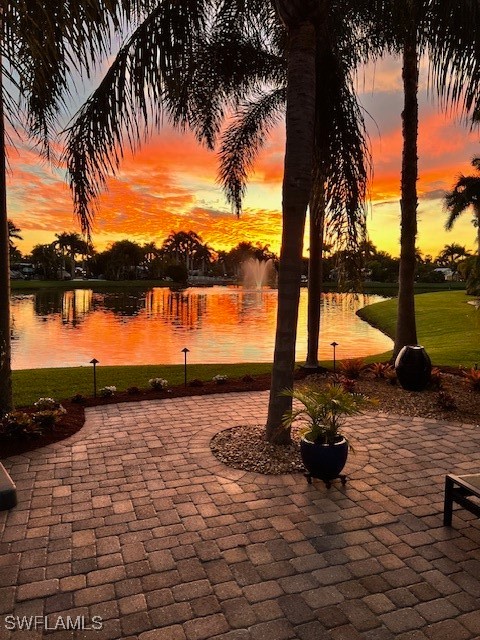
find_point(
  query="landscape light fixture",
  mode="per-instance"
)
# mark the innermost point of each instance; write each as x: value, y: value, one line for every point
x: 334, y: 345
x: 185, y: 351
x: 94, y: 362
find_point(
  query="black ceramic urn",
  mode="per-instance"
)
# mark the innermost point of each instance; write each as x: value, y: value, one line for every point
x: 413, y: 367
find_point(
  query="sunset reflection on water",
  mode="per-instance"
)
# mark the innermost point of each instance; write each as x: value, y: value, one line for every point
x: 217, y: 324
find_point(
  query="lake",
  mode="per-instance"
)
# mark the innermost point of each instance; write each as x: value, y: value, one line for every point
x: 217, y: 324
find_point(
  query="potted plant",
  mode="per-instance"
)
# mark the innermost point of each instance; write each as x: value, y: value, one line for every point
x: 324, y: 449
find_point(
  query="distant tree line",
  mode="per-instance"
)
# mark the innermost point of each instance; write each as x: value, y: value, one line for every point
x: 184, y: 254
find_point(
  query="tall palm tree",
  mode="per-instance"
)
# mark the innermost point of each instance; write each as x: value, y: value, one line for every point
x: 451, y: 254
x: 340, y: 159
x: 40, y: 42
x: 186, y: 247
x: 46, y: 260
x: 6, y: 398
x: 301, y: 20
x: 13, y: 231
x: 448, y: 33
x: 141, y: 74
x: 73, y: 244
x: 150, y: 261
x: 465, y: 195
x: 62, y: 244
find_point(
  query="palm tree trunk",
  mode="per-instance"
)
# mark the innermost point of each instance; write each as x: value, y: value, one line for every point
x: 297, y: 182
x: 476, y: 210
x: 406, y: 332
x: 6, y: 399
x: 315, y: 277
x: 473, y: 282
x: 72, y: 266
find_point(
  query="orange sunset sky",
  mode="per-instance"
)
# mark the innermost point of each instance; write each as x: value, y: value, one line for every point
x: 170, y: 184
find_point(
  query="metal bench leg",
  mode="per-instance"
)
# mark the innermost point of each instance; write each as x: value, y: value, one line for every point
x: 448, y: 502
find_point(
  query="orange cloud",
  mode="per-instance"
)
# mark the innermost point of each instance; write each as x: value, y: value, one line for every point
x: 170, y: 184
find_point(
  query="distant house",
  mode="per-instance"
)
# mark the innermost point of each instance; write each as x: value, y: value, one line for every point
x: 25, y: 269
x: 446, y: 272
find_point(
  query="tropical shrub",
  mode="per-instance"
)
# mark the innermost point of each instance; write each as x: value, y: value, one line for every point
x: 108, y: 392
x: 45, y: 419
x: 177, y: 272
x: 446, y: 401
x: 45, y: 404
x: 352, y: 368
x: 391, y: 375
x: 436, y: 378
x: 324, y: 411
x: 473, y: 377
x: 78, y: 398
x: 133, y: 391
x: 379, y: 369
x: 347, y: 384
x: 158, y: 383
x: 18, y: 423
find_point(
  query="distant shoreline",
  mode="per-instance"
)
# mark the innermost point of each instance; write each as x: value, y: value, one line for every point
x: 380, y: 288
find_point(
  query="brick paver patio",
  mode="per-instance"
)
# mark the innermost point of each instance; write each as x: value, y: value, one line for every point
x: 133, y: 520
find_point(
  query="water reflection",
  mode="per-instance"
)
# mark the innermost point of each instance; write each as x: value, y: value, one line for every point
x: 218, y: 324
x: 75, y: 306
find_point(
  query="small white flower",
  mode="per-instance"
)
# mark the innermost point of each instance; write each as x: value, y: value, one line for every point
x: 158, y: 383
x: 108, y: 391
x: 45, y: 404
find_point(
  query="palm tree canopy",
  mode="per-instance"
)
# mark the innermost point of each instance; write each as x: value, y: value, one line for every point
x: 44, y: 44
x: 453, y: 251
x: 151, y: 78
x: 13, y: 231
x: 465, y: 194
x: 342, y: 156
x: 447, y: 33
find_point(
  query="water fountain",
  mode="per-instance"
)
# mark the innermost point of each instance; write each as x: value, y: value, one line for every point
x: 256, y: 273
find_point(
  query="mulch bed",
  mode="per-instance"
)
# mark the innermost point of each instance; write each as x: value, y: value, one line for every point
x: 68, y: 424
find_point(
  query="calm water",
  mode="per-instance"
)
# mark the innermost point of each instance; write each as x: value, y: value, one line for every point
x: 218, y: 324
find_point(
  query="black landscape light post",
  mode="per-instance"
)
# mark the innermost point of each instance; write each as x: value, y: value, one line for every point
x: 94, y: 362
x: 185, y: 351
x: 334, y: 344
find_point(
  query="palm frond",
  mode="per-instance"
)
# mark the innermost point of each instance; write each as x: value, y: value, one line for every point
x: 243, y: 139
x: 129, y: 102
x: 342, y: 155
x: 450, y: 33
x: 465, y: 194
x: 256, y: 16
x: 43, y: 42
x: 229, y: 65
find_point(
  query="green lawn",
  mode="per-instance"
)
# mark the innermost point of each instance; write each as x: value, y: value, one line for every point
x: 447, y: 326
x: 61, y: 383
